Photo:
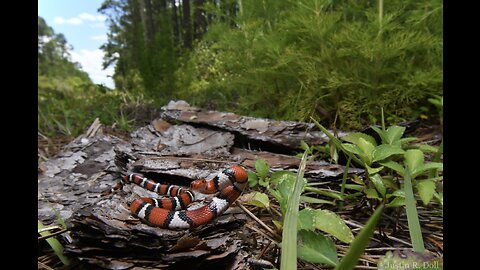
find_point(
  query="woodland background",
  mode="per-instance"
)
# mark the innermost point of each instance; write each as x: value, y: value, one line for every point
x: 339, y: 61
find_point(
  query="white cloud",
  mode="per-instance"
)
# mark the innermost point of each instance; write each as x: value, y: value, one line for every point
x: 91, y: 61
x: 80, y: 18
x: 99, y: 37
x: 61, y: 20
x: 90, y: 17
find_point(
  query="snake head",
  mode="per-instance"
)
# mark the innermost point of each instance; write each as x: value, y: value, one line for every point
x: 199, y: 185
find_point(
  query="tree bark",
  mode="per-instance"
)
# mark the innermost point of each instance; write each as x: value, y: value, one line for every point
x: 200, y: 22
x: 176, y: 32
x: 186, y: 24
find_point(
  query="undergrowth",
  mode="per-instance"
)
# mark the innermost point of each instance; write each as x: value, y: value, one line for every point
x: 71, y: 110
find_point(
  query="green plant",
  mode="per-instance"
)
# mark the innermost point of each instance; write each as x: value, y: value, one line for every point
x: 378, y: 159
x: 297, y: 59
x: 349, y: 261
x: 288, y: 258
x: 306, y: 224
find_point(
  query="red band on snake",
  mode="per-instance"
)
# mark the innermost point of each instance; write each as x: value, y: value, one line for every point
x: 165, y: 212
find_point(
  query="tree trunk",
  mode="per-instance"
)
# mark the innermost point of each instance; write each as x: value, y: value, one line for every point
x: 176, y: 32
x: 200, y: 22
x: 186, y: 24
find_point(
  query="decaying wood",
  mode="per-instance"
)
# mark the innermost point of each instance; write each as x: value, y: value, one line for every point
x: 281, y: 133
x: 102, y: 231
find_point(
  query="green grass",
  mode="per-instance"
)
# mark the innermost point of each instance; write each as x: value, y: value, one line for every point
x: 71, y: 111
x: 288, y: 258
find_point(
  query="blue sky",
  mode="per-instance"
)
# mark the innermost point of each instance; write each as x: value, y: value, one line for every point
x: 84, y: 28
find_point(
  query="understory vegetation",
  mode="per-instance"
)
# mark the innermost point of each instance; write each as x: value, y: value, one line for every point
x: 336, y: 61
x: 340, y: 64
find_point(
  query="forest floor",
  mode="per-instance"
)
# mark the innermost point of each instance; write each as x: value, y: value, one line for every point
x: 392, y: 235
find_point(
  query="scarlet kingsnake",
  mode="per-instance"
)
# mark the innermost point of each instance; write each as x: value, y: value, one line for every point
x: 171, y: 213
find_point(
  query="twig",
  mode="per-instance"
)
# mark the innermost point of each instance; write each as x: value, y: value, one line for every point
x: 262, y: 233
x: 40, y: 264
x: 51, y: 235
x: 264, y: 249
x: 257, y: 219
x: 366, y: 258
x: 377, y: 232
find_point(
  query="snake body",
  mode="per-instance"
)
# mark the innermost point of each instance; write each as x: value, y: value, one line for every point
x: 171, y: 213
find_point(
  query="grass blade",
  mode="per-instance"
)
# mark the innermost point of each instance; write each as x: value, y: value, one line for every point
x: 412, y: 215
x: 55, y: 244
x: 349, y: 261
x: 288, y: 260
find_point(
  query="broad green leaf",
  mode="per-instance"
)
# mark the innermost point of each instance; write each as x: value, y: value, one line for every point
x: 414, y: 160
x: 394, y: 133
x: 357, y: 180
x: 314, y: 247
x: 355, y: 187
x: 331, y: 223
x: 335, y: 140
x: 367, y: 149
x: 371, y: 193
x: 355, y: 137
x: 428, y: 166
x: 252, y: 179
x: 372, y: 171
x: 425, y: 188
x: 377, y: 181
x: 396, y: 202
x: 307, y: 199
x: 381, y: 133
x: 439, y: 197
x: 389, y: 182
x: 280, y: 199
x: 394, y: 166
x: 275, y: 177
x: 406, y: 140
x: 349, y: 261
x: 398, y: 193
x: 257, y: 199
x: 352, y: 148
x: 384, y: 151
x: 428, y: 148
x: 263, y: 182
x: 306, y: 219
x: 262, y: 168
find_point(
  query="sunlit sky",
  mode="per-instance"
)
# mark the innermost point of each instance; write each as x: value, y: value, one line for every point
x: 85, y: 30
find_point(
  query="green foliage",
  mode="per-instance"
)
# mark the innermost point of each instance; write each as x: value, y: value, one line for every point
x: 349, y: 261
x: 68, y: 101
x: 296, y: 59
x: 326, y: 221
x: 413, y: 171
x: 55, y: 244
x: 316, y: 248
x: 288, y: 258
x: 307, y: 223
